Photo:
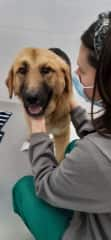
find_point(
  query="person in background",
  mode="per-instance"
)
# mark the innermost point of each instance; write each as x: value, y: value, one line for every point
x: 72, y: 200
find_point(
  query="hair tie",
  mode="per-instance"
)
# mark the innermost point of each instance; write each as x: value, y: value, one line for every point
x: 101, y: 29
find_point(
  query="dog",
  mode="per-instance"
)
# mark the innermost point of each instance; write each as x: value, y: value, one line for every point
x: 42, y: 81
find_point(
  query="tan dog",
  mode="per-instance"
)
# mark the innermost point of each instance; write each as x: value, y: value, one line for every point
x: 42, y: 81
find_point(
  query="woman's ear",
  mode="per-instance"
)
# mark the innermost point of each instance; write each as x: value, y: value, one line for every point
x: 9, y: 82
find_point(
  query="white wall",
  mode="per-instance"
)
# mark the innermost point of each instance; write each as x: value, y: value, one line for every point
x: 44, y: 23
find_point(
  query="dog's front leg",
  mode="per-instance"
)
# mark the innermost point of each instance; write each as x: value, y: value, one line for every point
x: 61, y: 143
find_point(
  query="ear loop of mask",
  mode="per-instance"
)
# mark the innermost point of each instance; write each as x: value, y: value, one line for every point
x: 79, y: 86
x: 80, y: 90
x: 98, y: 103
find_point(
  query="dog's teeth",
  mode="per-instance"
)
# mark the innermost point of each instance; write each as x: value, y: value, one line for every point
x: 35, y: 109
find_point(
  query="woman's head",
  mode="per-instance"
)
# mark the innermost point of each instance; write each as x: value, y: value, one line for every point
x: 92, y: 42
x: 94, y: 68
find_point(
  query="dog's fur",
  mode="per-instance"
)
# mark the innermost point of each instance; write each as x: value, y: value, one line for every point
x: 44, y: 76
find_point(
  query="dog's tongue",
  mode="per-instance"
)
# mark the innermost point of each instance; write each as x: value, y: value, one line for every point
x: 34, y: 109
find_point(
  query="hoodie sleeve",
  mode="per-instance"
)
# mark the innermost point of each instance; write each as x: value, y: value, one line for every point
x: 77, y: 183
x: 82, y: 124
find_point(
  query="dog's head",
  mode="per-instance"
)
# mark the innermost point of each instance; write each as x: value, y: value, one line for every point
x: 36, y: 77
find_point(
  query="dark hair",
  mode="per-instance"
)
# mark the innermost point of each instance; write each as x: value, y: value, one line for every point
x: 102, y: 64
x: 103, y: 83
x: 87, y: 39
x: 61, y: 54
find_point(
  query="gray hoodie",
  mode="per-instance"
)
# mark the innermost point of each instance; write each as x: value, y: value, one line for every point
x: 82, y: 182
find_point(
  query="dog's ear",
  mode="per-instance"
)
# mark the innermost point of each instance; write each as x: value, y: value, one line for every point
x: 9, y: 82
x: 68, y: 79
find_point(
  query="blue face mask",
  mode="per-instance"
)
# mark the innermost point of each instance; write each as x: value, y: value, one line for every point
x: 80, y: 90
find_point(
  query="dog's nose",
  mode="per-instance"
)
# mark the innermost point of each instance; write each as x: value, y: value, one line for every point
x: 31, y: 98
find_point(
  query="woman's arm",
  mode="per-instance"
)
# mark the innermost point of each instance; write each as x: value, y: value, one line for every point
x: 82, y: 124
x: 77, y: 183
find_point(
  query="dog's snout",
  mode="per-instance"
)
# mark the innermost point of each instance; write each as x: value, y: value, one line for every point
x: 31, y: 98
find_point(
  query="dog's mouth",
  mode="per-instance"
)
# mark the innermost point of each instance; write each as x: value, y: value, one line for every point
x: 34, y: 110
x: 35, y: 102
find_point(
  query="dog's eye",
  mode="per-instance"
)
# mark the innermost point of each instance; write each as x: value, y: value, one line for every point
x: 45, y: 70
x: 22, y: 70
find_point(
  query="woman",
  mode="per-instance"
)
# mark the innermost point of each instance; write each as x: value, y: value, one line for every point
x: 77, y: 193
